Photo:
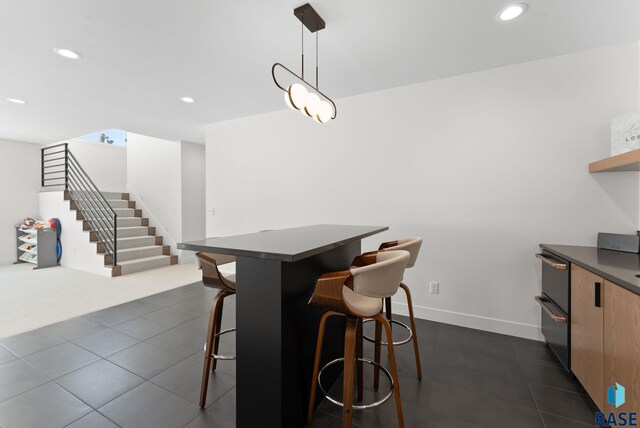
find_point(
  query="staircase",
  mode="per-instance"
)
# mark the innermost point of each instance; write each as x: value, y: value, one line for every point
x: 138, y: 246
x: 116, y: 230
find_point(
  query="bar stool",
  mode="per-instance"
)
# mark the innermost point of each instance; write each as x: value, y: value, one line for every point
x: 223, y: 280
x: 357, y: 294
x: 412, y: 245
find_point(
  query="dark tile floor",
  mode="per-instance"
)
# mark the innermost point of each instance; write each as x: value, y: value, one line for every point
x: 139, y: 365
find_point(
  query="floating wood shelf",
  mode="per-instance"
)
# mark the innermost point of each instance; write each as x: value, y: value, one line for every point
x: 629, y: 161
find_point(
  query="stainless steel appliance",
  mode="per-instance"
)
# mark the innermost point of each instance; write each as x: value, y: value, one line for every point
x: 555, y: 303
x: 618, y: 242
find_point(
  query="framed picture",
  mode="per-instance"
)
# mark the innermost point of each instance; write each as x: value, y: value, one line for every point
x: 625, y: 133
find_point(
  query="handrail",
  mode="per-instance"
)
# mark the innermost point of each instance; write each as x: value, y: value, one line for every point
x: 102, y: 203
x: 85, y: 206
x: 101, y: 217
x: 57, y: 145
x: 92, y: 183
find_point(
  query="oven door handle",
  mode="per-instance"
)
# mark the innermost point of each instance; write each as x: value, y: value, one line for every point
x: 542, y: 301
x: 554, y: 264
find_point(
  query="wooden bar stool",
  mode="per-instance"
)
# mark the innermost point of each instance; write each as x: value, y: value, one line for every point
x: 225, y: 282
x: 412, y: 245
x: 358, y: 294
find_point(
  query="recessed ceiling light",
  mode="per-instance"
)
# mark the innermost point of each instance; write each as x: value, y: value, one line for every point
x: 16, y: 100
x: 512, y: 11
x: 67, y: 53
x: 188, y: 99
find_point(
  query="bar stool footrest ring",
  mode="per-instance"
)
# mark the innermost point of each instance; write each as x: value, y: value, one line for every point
x: 357, y: 406
x: 222, y: 357
x: 401, y: 342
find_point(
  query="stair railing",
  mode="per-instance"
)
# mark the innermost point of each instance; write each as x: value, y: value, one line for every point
x: 61, y: 168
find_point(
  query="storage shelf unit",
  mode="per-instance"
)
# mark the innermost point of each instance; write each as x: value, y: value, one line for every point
x: 37, y: 246
x: 29, y: 248
x: 629, y: 161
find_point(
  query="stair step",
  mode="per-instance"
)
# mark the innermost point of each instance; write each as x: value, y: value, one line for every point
x: 138, y: 253
x: 121, y: 212
x: 120, y: 203
x: 128, y: 212
x: 132, y: 221
x: 129, y: 232
x: 115, y: 195
x: 137, y: 241
x: 122, y: 222
x: 93, y: 202
x: 146, y: 263
x: 125, y: 232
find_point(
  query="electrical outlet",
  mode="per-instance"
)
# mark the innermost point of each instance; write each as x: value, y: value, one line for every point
x: 434, y: 287
x: 212, y: 212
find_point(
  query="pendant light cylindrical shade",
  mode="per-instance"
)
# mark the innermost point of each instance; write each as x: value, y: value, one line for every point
x: 313, y: 105
x: 297, y: 96
x: 287, y: 101
x: 325, y: 112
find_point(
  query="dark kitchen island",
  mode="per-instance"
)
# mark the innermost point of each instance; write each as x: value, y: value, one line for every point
x: 276, y: 331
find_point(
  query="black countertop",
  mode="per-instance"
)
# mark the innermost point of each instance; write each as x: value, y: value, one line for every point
x: 620, y: 268
x: 289, y: 245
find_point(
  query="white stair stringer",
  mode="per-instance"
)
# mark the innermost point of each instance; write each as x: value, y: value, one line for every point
x: 78, y: 252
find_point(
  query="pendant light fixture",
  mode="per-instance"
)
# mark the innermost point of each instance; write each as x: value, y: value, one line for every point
x: 300, y: 94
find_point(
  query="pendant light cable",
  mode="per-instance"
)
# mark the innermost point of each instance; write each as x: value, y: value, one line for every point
x: 302, y: 40
x: 317, y: 59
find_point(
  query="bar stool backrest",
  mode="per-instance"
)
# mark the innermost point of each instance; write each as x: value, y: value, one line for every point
x: 211, y: 276
x: 412, y: 245
x: 382, y: 278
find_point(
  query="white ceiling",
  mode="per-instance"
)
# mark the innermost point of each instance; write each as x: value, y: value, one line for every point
x: 140, y: 57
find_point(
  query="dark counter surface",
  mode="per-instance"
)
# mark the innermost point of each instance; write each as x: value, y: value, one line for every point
x: 287, y: 245
x: 617, y: 267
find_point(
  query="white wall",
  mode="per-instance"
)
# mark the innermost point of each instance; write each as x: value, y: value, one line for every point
x: 167, y: 181
x: 193, y: 191
x: 78, y: 252
x: 484, y: 166
x: 20, y: 182
x: 154, y: 181
x: 106, y: 164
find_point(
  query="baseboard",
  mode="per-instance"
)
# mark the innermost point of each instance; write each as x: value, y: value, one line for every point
x: 526, y: 331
